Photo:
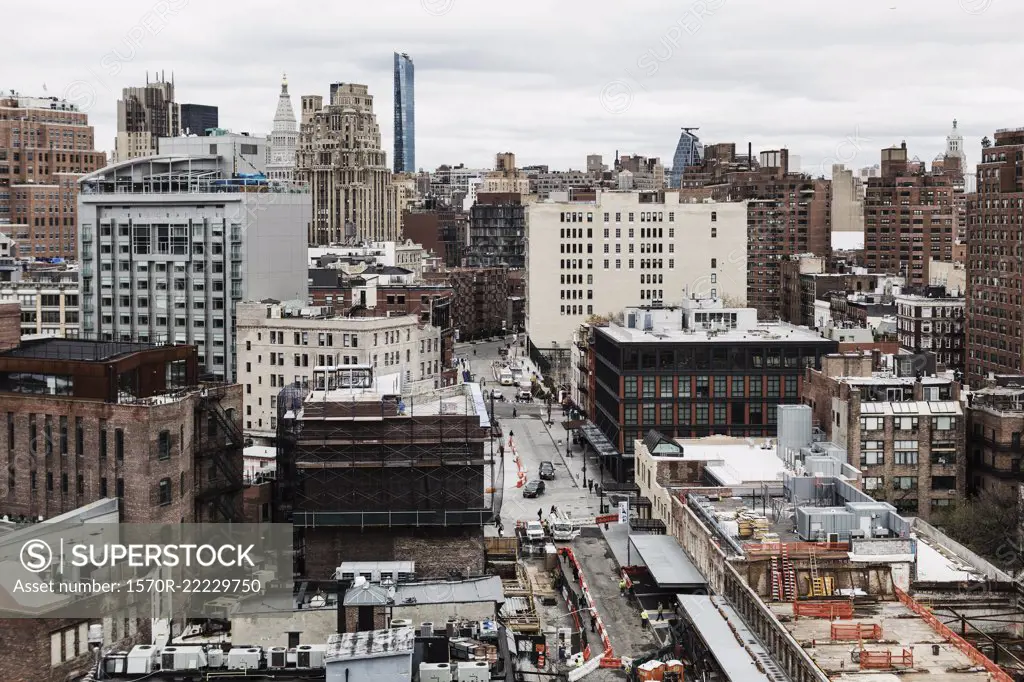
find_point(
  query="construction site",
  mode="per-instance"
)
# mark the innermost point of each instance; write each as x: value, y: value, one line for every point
x: 369, y: 474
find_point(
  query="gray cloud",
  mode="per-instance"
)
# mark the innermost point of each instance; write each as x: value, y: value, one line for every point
x: 529, y: 76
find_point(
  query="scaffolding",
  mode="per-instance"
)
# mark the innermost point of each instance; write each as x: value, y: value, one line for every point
x: 384, y: 463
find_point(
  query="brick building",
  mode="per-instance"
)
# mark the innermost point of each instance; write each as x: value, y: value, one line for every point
x: 696, y: 371
x: 46, y: 145
x: 909, y: 218
x: 995, y: 422
x: 497, y: 231
x: 904, y: 432
x: 994, y: 277
x: 805, y: 279
x: 335, y: 444
x: 84, y: 420
x: 441, y: 230
x: 480, y: 307
x: 933, y: 323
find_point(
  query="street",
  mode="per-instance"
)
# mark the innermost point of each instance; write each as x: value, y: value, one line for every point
x: 534, y: 442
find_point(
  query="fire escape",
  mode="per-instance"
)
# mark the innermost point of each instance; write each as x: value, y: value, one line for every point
x: 218, y: 460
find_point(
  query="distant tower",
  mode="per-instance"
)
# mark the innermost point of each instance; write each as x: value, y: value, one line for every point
x: 689, y: 152
x: 955, y: 142
x: 284, y: 138
x: 405, y: 115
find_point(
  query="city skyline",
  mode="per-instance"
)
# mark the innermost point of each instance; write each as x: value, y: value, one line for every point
x: 833, y: 99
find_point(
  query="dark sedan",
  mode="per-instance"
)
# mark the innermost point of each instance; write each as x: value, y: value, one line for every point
x: 534, y: 488
x: 547, y: 471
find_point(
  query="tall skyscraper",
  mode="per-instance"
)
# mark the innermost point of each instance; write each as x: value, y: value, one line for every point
x: 340, y: 158
x: 689, y: 152
x: 196, y: 119
x: 405, y: 115
x: 46, y: 145
x: 284, y: 138
x: 144, y: 115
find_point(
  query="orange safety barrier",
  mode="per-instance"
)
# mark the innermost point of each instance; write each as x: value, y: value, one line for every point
x: 886, y: 660
x: 795, y: 547
x: 856, y: 632
x: 965, y: 647
x: 823, y: 609
x: 606, y: 518
x: 609, y: 662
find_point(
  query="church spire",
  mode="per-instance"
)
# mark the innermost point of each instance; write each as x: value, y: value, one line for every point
x: 284, y: 87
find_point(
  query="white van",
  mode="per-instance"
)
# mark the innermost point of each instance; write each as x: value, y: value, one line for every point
x: 565, y: 530
x: 505, y: 377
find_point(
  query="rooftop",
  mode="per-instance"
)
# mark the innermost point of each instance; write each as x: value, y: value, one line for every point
x: 767, y: 331
x: 74, y: 349
x: 735, y: 461
x: 910, y: 407
x: 901, y: 629
x: 369, y: 644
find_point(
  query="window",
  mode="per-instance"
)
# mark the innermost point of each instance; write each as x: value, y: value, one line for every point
x: 871, y: 453
x: 103, y: 438
x: 702, y: 414
x: 905, y: 424
x: 684, y: 387
x: 666, y: 414
x: 905, y: 451
x: 630, y: 414
x: 943, y: 423
x: 63, y: 435
x: 738, y: 386
x: 904, y: 483
x: 163, y: 448
x: 79, y: 437
x: 665, y: 389
x: 873, y: 482
x: 164, y: 492
x: 703, y: 388
x: 648, y: 387
x: 630, y: 387
x: 648, y: 414
x: 872, y: 423
x: 119, y: 444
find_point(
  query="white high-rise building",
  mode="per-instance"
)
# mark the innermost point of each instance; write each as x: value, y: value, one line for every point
x: 626, y: 249
x: 284, y: 139
x: 169, y: 244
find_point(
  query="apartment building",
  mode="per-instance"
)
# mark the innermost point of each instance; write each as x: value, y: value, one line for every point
x: 340, y: 157
x: 281, y: 344
x: 441, y: 231
x: 170, y: 244
x: 623, y: 248
x: 46, y: 145
x: 994, y: 277
x: 697, y: 370
x: 85, y: 420
x: 909, y: 218
x: 903, y: 428
x: 933, y: 323
x: 995, y: 422
x: 497, y: 232
x: 49, y: 300
x: 806, y: 280
x: 481, y: 306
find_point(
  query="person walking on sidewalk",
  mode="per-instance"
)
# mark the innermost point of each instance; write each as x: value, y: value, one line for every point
x: 540, y: 514
x: 660, y: 610
x: 644, y: 619
x: 622, y: 587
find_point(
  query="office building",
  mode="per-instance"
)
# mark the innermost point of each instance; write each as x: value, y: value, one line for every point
x: 909, y: 218
x: 481, y: 307
x: 185, y: 240
x: 198, y: 119
x: 696, y: 370
x: 341, y: 160
x: 46, y: 145
x: 405, y: 114
x: 441, y: 231
x: 622, y: 248
x: 146, y: 433
x: 902, y: 426
x: 933, y: 323
x: 284, y: 139
x: 506, y: 178
x: 49, y: 302
x: 144, y: 115
x: 994, y: 279
x: 689, y: 152
x: 281, y: 344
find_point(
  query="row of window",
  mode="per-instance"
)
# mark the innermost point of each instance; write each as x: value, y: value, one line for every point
x: 711, y: 387
x: 942, y: 423
x: 939, y: 483
x: 700, y: 414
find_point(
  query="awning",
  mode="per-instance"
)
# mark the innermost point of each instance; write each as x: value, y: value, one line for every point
x: 598, y: 440
x: 665, y: 561
x: 721, y: 628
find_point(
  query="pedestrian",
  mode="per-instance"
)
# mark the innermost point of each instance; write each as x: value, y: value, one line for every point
x: 593, y: 622
x: 540, y: 514
x: 474, y: 351
x: 622, y: 587
x: 561, y: 653
x: 514, y: 414
x: 590, y: 485
x: 554, y: 510
x: 643, y: 619
x: 660, y: 609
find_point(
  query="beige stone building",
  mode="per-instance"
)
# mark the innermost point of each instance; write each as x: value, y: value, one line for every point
x: 341, y: 159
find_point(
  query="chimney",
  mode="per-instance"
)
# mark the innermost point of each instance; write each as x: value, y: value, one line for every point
x: 10, y: 325
x: 343, y: 586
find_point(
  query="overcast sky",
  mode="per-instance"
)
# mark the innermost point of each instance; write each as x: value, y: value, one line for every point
x: 555, y: 81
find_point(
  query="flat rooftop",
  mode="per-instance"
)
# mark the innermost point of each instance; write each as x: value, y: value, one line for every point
x: 773, y: 331
x: 735, y: 461
x: 52, y: 348
x: 936, y: 564
x: 901, y: 629
x: 911, y: 407
x: 728, y: 509
x: 369, y: 644
x: 887, y: 379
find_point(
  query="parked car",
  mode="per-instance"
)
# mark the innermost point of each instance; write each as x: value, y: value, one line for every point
x: 534, y: 488
x: 547, y: 471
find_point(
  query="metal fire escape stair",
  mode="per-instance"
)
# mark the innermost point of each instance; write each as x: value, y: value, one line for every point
x: 216, y: 449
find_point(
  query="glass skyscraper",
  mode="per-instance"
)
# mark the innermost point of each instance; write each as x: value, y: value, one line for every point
x: 689, y: 152
x: 405, y: 115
